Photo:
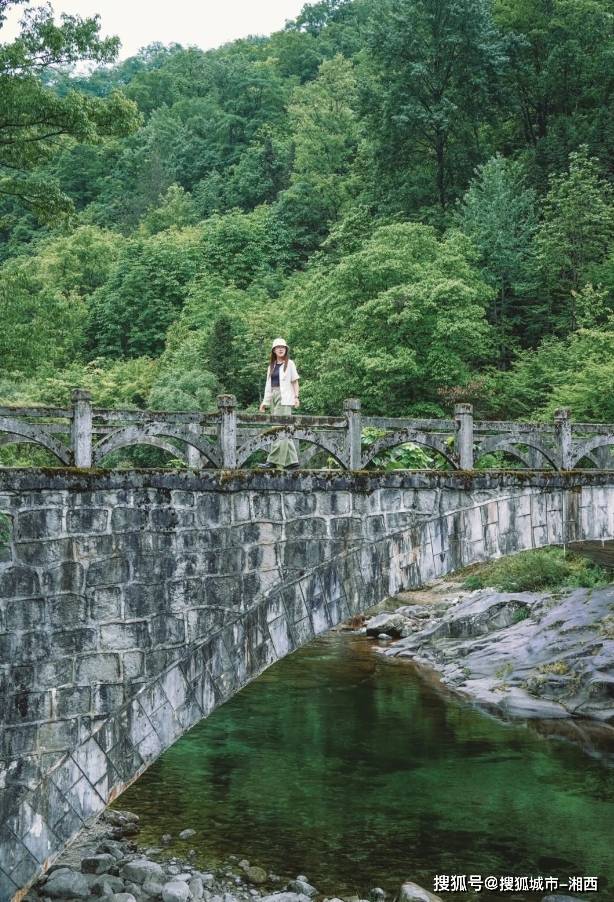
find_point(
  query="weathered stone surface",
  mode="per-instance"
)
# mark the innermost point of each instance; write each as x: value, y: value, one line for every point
x: 411, y: 892
x: 97, y: 864
x: 106, y: 885
x: 67, y: 884
x: 391, y: 623
x: 141, y: 869
x: 175, y: 891
x: 302, y: 887
x: 255, y: 874
x: 200, y: 580
x: 286, y: 897
x: 524, y: 654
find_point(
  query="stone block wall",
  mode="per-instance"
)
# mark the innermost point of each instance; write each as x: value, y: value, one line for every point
x: 132, y: 604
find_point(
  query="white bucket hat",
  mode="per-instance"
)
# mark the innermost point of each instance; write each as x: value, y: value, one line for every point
x: 279, y: 343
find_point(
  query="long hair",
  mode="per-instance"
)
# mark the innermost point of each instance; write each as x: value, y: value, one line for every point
x: 273, y: 360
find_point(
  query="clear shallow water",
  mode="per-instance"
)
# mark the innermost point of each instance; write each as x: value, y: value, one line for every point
x: 353, y: 770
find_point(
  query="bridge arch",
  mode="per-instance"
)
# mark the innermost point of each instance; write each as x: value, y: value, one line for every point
x: 580, y: 451
x: 496, y: 443
x: 260, y: 564
x: 265, y: 439
x: 13, y: 430
x: 157, y: 436
x: 406, y: 436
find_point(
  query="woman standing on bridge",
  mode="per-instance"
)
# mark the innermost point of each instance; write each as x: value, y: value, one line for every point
x: 281, y: 394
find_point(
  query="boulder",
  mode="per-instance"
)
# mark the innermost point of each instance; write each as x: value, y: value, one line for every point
x: 302, y: 887
x: 391, y: 623
x: 411, y: 892
x: 64, y: 883
x: 286, y: 897
x: 97, y: 864
x: 175, y: 891
x: 119, y: 897
x: 255, y: 874
x: 153, y: 889
x: 111, y: 847
x: 196, y: 888
x: 106, y: 885
x: 187, y: 834
x: 141, y: 869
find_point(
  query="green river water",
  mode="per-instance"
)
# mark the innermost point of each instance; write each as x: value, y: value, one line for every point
x: 356, y: 771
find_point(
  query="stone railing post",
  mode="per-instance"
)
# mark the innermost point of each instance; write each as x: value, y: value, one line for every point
x: 562, y: 425
x: 351, y: 409
x: 227, y: 431
x: 192, y: 453
x: 81, y: 428
x: 463, y: 440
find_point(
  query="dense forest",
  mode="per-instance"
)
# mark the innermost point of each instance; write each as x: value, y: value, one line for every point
x: 417, y: 194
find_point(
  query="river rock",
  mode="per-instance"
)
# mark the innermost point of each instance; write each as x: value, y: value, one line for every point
x: 301, y: 887
x: 175, y: 891
x: 187, y: 834
x: 106, y: 885
x: 286, y: 897
x: 255, y: 874
x: 141, y: 869
x: 64, y: 883
x: 153, y: 888
x: 119, y: 897
x: 97, y: 864
x: 196, y: 887
x: 377, y: 894
x: 119, y: 818
x: 166, y: 839
x: 111, y: 847
x: 411, y: 892
x: 391, y: 623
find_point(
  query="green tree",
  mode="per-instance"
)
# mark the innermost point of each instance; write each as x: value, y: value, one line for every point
x: 35, y: 120
x: 434, y: 70
x: 146, y: 288
x: 575, y: 372
x: 391, y: 323
x: 576, y: 235
x: 44, y: 299
x: 558, y: 83
x: 325, y: 132
x: 499, y: 213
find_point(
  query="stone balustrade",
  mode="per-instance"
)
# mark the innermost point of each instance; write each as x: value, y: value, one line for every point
x: 85, y: 436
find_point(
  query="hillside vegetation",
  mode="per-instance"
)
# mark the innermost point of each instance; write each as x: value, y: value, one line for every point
x: 416, y: 193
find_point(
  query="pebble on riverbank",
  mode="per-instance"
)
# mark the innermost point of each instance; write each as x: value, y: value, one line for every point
x: 100, y: 867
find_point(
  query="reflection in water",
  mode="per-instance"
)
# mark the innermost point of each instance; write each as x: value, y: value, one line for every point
x: 351, y: 769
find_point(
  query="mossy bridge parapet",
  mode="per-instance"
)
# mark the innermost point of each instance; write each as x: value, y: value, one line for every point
x: 86, y: 436
x: 133, y: 603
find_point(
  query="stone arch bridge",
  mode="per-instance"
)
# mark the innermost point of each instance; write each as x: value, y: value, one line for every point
x: 132, y: 604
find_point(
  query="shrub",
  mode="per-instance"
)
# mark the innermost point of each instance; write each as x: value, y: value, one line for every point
x: 529, y: 571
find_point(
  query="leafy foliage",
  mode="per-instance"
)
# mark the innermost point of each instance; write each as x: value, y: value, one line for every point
x: 533, y: 571
x: 416, y: 193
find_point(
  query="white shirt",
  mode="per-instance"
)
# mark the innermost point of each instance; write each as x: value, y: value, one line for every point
x: 287, y: 375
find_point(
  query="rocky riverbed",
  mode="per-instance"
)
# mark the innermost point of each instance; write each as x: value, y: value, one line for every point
x: 106, y: 864
x: 547, y: 655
